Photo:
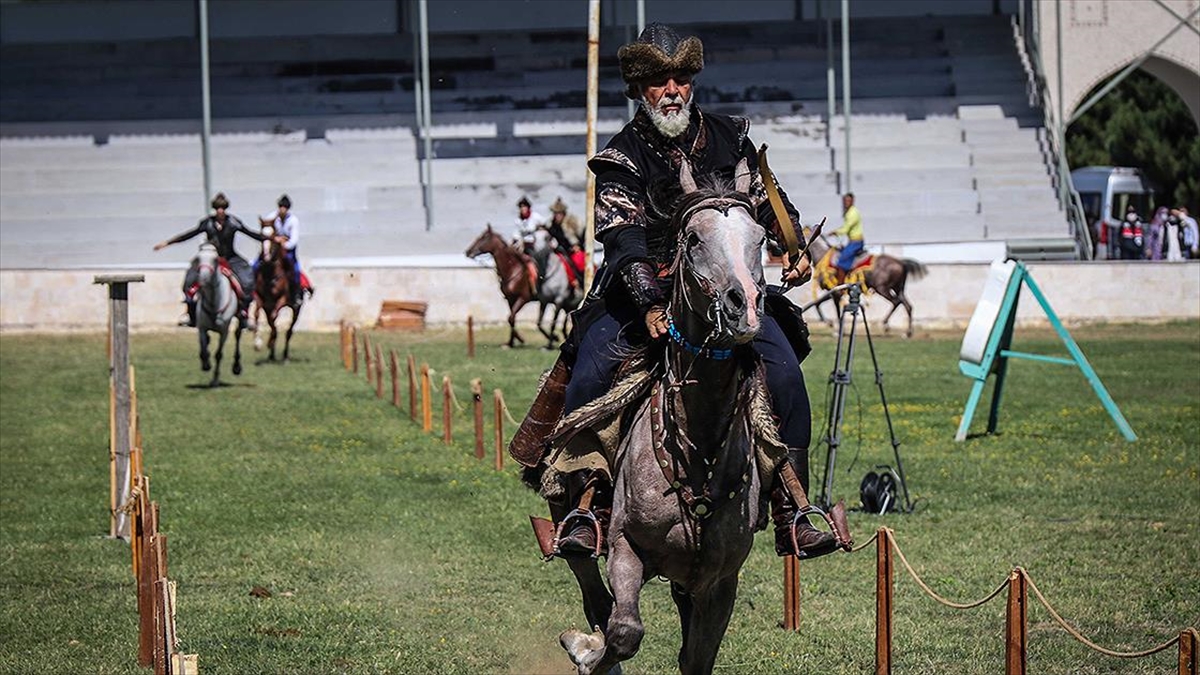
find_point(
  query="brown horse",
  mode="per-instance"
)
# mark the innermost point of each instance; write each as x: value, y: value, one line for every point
x: 517, y: 280
x: 273, y: 292
x: 884, y: 274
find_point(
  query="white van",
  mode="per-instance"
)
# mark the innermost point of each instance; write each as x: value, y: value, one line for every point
x: 1106, y: 192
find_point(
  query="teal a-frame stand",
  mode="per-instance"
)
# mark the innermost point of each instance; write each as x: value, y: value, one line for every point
x: 987, y: 345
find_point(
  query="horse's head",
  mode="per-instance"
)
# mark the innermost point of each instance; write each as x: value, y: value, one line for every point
x: 487, y: 242
x: 207, y: 261
x: 270, y: 247
x: 719, y: 282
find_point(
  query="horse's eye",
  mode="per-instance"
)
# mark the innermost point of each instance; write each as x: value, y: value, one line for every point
x: 693, y: 240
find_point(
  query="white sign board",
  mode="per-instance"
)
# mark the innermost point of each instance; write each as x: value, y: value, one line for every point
x: 984, y: 319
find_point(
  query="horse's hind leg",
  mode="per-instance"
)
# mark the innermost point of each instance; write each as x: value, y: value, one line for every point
x: 706, y: 623
x: 287, y: 339
x: 597, y: 601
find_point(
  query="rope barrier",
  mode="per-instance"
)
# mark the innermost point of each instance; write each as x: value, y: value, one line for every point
x: 1078, y: 636
x: 454, y: 398
x: 504, y: 406
x: 866, y: 543
x: 935, y: 596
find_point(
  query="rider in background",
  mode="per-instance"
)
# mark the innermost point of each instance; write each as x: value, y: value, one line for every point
x: 637, y: 175
x: 220, y: 229
x: 851, y: 229
x: 526, y: 226
x: 564, y: 230
x: 287, y: 233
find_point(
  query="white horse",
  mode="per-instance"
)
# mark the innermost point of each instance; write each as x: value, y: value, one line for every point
x: 216, y: 308
x: 554, y: 288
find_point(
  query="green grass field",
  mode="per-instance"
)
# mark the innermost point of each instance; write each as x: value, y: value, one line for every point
x: 388, y: 552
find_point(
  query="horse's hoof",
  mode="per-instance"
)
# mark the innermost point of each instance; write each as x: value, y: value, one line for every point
x: 237, y: 369
x: 214, y: 384
x: 205, y: 366
x: 584, y: 649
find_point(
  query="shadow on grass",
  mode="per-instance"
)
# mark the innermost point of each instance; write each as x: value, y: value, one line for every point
x: 219, y: 385
x: 266, y: 361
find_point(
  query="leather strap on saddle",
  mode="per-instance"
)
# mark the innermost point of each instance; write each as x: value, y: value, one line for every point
x: 528, y: 445
x: 835, y: 518
x: 781, y: 215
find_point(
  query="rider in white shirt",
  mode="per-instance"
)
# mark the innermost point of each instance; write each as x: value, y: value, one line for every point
x: 527, y: 225
x: 287, y: 228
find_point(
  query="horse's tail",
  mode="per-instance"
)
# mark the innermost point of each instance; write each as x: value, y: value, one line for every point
x: 914, y: 268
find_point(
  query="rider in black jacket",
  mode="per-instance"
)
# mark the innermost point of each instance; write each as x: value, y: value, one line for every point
x: 219, y: 229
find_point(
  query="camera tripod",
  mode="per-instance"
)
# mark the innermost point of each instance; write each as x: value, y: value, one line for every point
x: 840, y: 378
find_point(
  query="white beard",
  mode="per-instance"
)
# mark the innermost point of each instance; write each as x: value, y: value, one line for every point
x: 670, y: 125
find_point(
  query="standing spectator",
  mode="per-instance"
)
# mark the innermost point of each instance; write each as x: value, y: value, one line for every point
x: 1132, y: 235
x: 1191, y: 234
x: 1154, y: 234
x: 1172, y: 236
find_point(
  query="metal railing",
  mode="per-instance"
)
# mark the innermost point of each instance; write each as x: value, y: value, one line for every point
x: 1026, y: 35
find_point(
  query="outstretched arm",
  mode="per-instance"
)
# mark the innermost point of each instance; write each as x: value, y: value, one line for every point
x: 183, y: 236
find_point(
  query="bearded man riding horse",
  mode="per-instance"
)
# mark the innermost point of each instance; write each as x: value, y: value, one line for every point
x: 637, y: 177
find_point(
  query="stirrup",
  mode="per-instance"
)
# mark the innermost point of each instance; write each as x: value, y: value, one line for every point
x: 596, y: 527
x: 836, y: 519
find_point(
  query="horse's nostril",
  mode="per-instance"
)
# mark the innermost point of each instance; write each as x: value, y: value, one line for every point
x: 735, y: 298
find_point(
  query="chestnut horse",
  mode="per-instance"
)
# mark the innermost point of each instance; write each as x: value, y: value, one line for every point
x: 273, y: 292
x: 520, y: 286
x: 886, y: 275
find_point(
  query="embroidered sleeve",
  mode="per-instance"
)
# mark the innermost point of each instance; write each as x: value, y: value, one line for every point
x: 617, y: 204
x: 611, y: 158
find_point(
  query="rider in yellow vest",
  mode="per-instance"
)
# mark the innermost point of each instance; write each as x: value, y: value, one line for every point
x: 852, y: 229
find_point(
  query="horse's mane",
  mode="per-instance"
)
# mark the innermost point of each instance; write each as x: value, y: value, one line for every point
x: 666, y: 203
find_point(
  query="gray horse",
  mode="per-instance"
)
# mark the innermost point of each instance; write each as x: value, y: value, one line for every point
x: 215, y: 311
x: 554, y: 288
x: 687, y: 478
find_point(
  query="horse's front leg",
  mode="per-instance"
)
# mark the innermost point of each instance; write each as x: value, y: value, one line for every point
x: 513, y: 335
x: 272, y: 317
x: 287, y: 339
x: 598, y: 653
x: 541, y: 318
x: 205, y: 363
x: 237, y: 350
x: 706, y: 622
x: 216, y: 378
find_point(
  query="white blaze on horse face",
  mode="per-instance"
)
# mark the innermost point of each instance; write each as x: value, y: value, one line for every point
x: 730, y: 258
x: 267, y: 232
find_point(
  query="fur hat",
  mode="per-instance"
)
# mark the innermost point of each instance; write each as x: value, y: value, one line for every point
x: 657, y: 53
x: 284, y: 202
x: 558, y: 206
x: 220, y: 201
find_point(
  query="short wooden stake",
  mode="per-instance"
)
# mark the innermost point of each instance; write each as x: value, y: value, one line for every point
x: 367, y: 359
x: 426, y: 403
x: 342, y: 344
x: 167, y: 643
x: 791, y: 593
x: 447, y: 409
x: 498, y: 400
x: 884, y: 573
x: 145, y: 576
x: 1189, y: 652
x: 395, y: 378
x: 412, y: 388
x: 378, y: 372
x: 354, y: 349
x: 477, y: 403
x: 470, y: 337
x: 1015, y: 624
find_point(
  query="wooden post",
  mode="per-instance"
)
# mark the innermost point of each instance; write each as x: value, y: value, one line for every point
x: 1189, y: 652
x: 1015, y: 624
x: 162, y: 654
x: 119, y: 438
x: 367, y: 359
x: 791, y: 593
x: 883, y: 601
x: 378, y: 372
x: 477, y: 403
x: 470, y: 337
x: 146, y: 575
x: 447, y: 409
x: 342, y: 343
x: 498, y: 401
x: 426, y: 403
x: 354, y: 348
x: 412, y: 388
x: 395, y: 380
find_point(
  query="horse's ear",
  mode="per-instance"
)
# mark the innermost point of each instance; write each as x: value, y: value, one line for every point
x: 489, y: 228
x: 686, y: 181
x: 741, y: 177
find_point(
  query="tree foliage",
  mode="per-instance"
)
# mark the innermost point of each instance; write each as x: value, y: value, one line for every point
x: 1142, y: 123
